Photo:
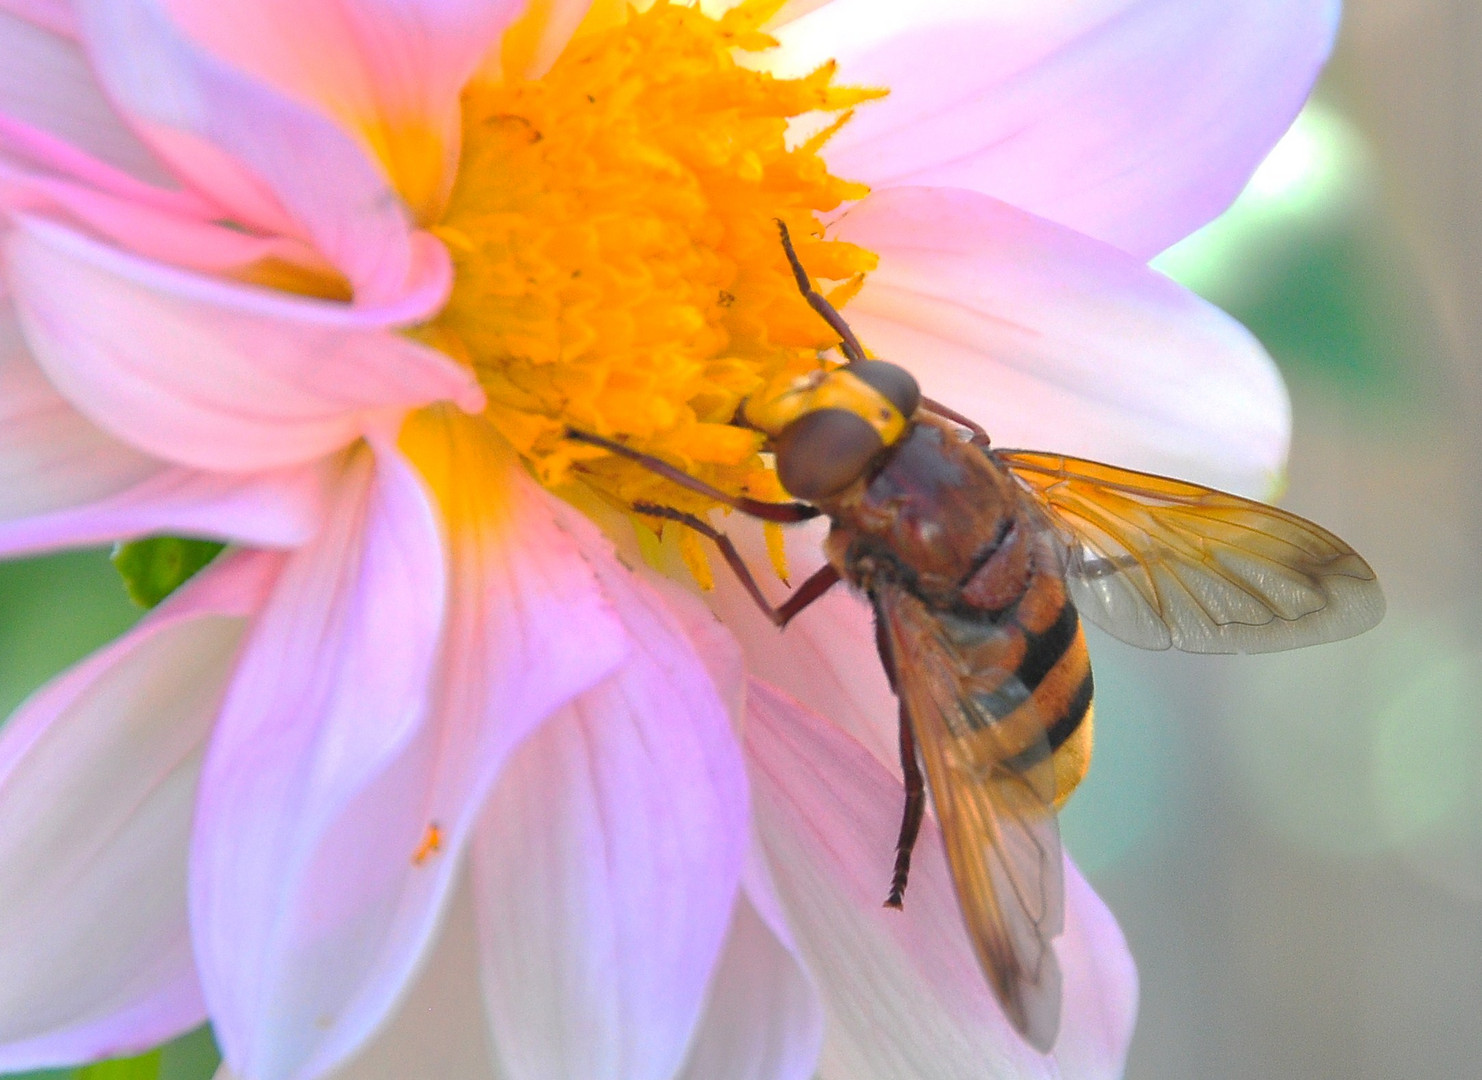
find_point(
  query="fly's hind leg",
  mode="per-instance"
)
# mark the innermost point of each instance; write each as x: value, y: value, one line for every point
x: 915, y: 804
x: 911, y: 813
x: 825, y: 578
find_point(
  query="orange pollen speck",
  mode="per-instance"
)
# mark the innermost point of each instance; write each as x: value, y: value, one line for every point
x: 432, y: 843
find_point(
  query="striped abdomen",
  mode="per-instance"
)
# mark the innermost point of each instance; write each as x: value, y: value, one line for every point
x: 1030, y: 673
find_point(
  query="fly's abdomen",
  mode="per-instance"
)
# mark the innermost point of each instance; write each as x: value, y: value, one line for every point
x: 1056, y: 672
x: 1032, y: 679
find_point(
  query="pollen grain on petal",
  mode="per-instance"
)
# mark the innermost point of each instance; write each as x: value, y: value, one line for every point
x: 432, y: 843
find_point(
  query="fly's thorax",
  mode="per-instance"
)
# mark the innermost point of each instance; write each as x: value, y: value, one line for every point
x: 935, y: 505
x: 1024, y: 565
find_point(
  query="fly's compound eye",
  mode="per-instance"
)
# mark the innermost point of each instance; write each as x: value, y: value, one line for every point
x: 891, y: 381
x: 823, y: 452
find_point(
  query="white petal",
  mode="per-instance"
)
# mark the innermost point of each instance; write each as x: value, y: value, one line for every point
x: 438, y: 1029
x: 1054, y: 341
x: 607, y: 863
x: 97, y: 783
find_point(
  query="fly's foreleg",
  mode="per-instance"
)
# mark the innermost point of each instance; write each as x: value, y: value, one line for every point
x: 825, y: 578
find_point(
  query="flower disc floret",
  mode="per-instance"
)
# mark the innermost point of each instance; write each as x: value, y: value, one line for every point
x: 618, y: 268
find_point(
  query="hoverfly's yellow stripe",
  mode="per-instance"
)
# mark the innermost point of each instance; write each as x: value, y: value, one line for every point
x: 836, y: 390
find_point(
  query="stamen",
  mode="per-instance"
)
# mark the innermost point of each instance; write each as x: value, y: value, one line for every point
x: 617, y: 263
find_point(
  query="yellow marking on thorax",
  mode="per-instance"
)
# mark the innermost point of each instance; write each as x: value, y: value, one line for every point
x: 789, y: 397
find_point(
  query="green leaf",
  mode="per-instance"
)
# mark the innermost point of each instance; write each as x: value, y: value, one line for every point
x: 154, y: 568
x: 192, y: 1056
x: 143, y: 1067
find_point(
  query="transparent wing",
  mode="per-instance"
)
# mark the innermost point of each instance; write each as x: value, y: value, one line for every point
x: 1160, y: 562
x: 993, y: 786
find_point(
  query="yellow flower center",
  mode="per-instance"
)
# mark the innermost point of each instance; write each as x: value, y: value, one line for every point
x: 618, y: 267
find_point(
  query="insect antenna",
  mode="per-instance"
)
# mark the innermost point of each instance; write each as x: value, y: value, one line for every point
x: 783, y: 513
x: 848, y: 343
x: 946, y: 412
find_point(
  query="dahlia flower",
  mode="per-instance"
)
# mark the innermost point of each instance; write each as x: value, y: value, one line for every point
x: 446, y: 766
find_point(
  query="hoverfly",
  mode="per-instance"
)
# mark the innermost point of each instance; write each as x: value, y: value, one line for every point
x: 978, y: 563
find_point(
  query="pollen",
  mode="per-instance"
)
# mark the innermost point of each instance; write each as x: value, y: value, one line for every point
x: 617, y: 262
x: 431, y: 844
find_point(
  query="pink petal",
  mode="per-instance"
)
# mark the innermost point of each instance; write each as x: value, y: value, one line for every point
x: 245, y: 144
x: 65, y: 483
x: 713, y: 641
x: 50, y: 455
x: 826, y: 657
x: 331, y: 686
x: 97, y: 780
x: 902, y: 991
x: 1100, y: 987
x: 386, y: 69
x: 521, y: 567
x: 608, y: 860
x: 555, y: 21
x: 148, y: 227
x: 208, y: 374
x: 55, y: 15
x: 355, y: 787
x: 27, y: 147
x: 1054, y: 341
x: 763, y: 1019
x: 1134, y: 121
x: 281, y: 508
x: 47, y: 82
x: 438, y: 1027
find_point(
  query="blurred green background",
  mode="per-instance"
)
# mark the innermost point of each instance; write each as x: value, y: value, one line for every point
x: 1293, y: 843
